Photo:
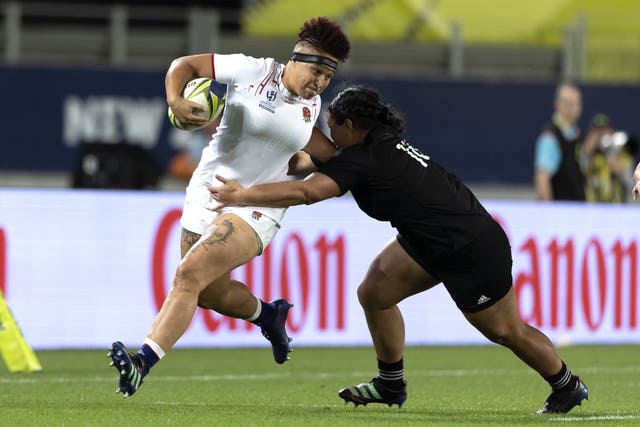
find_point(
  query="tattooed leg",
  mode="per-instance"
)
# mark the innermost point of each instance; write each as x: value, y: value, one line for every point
x: 228, y: 243
x: 219, y: 235
x: 187, y: 240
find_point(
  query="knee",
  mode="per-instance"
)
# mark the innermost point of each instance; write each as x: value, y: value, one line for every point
x: 370, y: 299
x: 186, y: 280
x: 362, y: 296
x: 505, y: 335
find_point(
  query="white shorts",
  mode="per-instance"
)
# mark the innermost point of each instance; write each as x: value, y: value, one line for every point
x: 197, y: 215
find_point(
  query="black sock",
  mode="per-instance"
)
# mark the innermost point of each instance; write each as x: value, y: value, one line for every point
x: 563, y: 380
x: 391, y: 374
x: 267, y: 314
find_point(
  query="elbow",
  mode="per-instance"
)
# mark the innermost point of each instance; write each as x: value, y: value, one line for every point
x: 310, y: 191
x: 308, y: 198
x: 176, y: 63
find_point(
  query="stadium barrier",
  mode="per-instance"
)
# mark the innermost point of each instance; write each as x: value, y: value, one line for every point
x: 86, y: 267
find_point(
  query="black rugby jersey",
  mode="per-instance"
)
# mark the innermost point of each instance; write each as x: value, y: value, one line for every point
x: 392, y: 181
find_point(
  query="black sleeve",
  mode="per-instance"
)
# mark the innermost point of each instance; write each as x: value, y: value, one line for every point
x: 317, y: 163
x: 347, y: 168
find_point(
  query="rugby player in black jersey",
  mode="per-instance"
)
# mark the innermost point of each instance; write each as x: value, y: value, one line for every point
x: 444, y: 235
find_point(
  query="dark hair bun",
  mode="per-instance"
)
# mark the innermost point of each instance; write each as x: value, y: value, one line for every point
x: 326, y: 35
x: 365, y: 108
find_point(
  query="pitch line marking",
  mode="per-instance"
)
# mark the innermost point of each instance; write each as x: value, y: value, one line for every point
x: 264, y: 377
x: 598, y: 418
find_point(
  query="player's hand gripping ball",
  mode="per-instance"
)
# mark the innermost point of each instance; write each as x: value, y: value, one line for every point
x: 206, y: 92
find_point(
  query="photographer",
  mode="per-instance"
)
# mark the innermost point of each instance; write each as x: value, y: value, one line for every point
x: 636, y: 183
x: 609, y: 162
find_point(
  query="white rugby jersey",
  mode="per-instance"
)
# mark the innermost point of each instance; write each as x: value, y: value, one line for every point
x: 263, y: 125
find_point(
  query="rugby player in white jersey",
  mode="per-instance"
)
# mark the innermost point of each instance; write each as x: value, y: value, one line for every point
x: 270, y: 114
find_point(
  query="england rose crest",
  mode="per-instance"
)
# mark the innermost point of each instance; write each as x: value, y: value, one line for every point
x: 306, y: 114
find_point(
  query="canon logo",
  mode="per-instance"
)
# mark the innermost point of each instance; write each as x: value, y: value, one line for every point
x: 580, y: 275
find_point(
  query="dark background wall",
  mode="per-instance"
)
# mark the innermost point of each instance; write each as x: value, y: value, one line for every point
x: 482, y: 131
x: 486, y: 131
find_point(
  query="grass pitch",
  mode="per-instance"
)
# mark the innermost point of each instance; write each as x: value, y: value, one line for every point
x: 447, y: 386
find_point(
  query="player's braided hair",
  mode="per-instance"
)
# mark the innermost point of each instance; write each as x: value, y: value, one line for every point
x: 365, y: 109
x: 325, y: 34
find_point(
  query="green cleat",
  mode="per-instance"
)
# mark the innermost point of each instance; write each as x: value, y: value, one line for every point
x: 129, y: 367
x: 374, y: 392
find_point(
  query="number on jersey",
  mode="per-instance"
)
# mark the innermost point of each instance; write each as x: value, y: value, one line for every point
x: 413, y: 152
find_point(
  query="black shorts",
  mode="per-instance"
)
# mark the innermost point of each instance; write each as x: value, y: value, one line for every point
x: 476, y: 275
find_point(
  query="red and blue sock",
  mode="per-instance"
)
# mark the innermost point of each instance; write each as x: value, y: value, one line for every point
x: 150, y: 353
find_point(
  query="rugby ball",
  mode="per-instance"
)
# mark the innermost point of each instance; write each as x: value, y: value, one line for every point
x: 206, y: 92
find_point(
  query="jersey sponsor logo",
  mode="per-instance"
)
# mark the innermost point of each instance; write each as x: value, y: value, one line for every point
x: 413, y: 152
x: 271, y: 95
x: 256, y: 215
x: 306, y: 114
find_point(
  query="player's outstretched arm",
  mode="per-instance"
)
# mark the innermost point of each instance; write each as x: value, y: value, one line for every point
x: 314, y: 188
x: 318, y: 150
x: 301, y: 164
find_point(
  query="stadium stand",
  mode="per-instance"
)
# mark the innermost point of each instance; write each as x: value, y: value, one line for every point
x: 135, y: 35
x: 585, y: 40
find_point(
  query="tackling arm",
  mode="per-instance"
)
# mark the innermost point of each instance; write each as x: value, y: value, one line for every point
x: 318, y: 149
x: 314, y: 188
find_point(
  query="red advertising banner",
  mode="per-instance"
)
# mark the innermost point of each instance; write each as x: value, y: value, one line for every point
x: 67, y: 257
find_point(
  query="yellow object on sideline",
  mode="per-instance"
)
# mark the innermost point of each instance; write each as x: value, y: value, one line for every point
x: 17, y: 354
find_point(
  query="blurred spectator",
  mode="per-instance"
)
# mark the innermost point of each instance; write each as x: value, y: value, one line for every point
x: 557, y: 171
x: 185, y: 161
x: 635, y: 192
x: 608, y: 162
x: 121, y: 166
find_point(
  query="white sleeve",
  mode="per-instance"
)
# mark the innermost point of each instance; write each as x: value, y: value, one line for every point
x: 239, y: 68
